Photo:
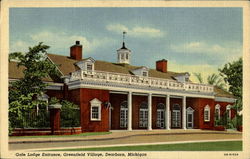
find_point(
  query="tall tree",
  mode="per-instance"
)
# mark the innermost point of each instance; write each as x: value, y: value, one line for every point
x: 232, y: 74
x: 199, y: 77
x: 24, y: 92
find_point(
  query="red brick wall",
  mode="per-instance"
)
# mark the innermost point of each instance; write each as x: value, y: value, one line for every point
x: 116, y: 100
x: 155, y: 102
x: 194, y: 104
x: 223, y: 107
x: 172, y: 102
x: 202, y: 103
x: 54, y: 119
x: 86, y: 95
x: 55, y: 93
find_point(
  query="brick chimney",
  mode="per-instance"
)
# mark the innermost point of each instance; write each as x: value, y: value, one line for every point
x: 162, y: 65
x: 76, y: 51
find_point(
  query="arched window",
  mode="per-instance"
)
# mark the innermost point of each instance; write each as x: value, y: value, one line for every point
x: 217, y: 112
x: 160, y: 115
x: 143, y: 122
x: 207, y: 113
x: 95, y: 106
x: 124, y: 114
x: 176, y: 116
x: 228, y: 112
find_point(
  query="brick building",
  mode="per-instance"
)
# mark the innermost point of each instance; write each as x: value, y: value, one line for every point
x: 116, y: 96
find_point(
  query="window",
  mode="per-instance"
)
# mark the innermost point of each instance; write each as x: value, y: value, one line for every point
x: 122, y: 56
x: 160, y: 115
x: 143, y: 116
x: 207, y: 113
x: 89, y: 67
x: 217, y: 112
x: 176, y: 116
x: 95, y: 112
x: 144, y: 73
x: 124, y: 114
x: 127, y: 56
x: 229, y: 112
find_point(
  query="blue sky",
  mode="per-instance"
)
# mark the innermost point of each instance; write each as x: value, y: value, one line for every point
x: 191, y: 39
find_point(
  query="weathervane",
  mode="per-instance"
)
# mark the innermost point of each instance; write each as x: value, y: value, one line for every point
x: 124, y: 32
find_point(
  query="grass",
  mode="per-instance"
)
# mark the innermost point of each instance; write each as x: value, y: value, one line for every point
x: 53, y: 136
x: 202, y: 146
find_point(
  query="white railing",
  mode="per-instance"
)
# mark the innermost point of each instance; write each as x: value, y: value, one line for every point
x: 120, y: 78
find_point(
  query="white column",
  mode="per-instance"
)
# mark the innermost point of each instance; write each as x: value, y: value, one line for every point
x: 167, y: 114
x: 184, y: 113
x: 149, y: 111
x: 129, y: 111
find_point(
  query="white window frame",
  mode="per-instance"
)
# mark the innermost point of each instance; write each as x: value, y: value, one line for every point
x: 207, y: 109
x: 95, y: 103
x: 229, y: 113
x: 145, y: 72
x: 217, y: 107
x: 88, y: 64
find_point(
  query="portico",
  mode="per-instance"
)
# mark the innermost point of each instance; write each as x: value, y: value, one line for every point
x: 148, y: 111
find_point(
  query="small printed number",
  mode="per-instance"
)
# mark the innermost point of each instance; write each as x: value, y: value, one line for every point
x: 231, y: 154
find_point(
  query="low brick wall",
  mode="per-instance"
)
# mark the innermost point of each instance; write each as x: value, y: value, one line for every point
x: 45, y: 131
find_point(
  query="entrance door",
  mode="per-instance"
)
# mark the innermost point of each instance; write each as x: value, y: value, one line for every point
x: 124, y: 118
x: 190, y: 118
x: 143, y: 118
x: 176, y: 119
x: 160, y: 118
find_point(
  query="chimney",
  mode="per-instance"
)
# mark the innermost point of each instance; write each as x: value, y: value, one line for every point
x: 162, y: 65
x: 76, y: 51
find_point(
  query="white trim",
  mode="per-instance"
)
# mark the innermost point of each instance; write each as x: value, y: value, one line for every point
x: 217, y: 107
x: 224, y: 99
x: 54, y: 64
x: 107, y: 86
x: 95, y: 103
x: 207, y: 109
x: 228, y: 108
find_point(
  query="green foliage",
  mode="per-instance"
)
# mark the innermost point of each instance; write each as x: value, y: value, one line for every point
x: 213, y: 79
x: 232, y: 74
x: 199, y: 77
x: 24, y: 92
x: 216, y: 80
x: 70, y: 114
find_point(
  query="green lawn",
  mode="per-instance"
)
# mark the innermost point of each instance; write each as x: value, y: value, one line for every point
x: 53, y: 136
x: 202, y: 146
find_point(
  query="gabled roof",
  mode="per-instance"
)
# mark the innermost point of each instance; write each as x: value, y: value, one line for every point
x: 66, y: 65
x: 222, y: 93
x: 16, y: 72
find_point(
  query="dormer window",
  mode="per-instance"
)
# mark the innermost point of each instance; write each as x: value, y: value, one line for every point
x: 144, y: 73
x: 141, y: 71
x: 89, y: 66
x: 182, y: 77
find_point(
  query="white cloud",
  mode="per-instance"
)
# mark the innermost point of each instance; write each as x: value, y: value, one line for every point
x: 205, y: 69
x: 19, y: 46
x: 59, y: 41
x: 136, y: 31
x: 206, y: 48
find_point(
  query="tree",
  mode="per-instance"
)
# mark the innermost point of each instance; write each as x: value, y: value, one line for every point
x: 232, y: 74
x: 24, y: 92
x: 213, y: 79
x: 199, y: 77
x: 216, y: 80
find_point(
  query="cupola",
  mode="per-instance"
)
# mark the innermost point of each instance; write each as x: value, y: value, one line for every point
x: 123, y: 54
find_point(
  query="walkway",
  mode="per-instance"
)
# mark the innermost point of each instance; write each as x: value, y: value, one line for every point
x: 124, y: 137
